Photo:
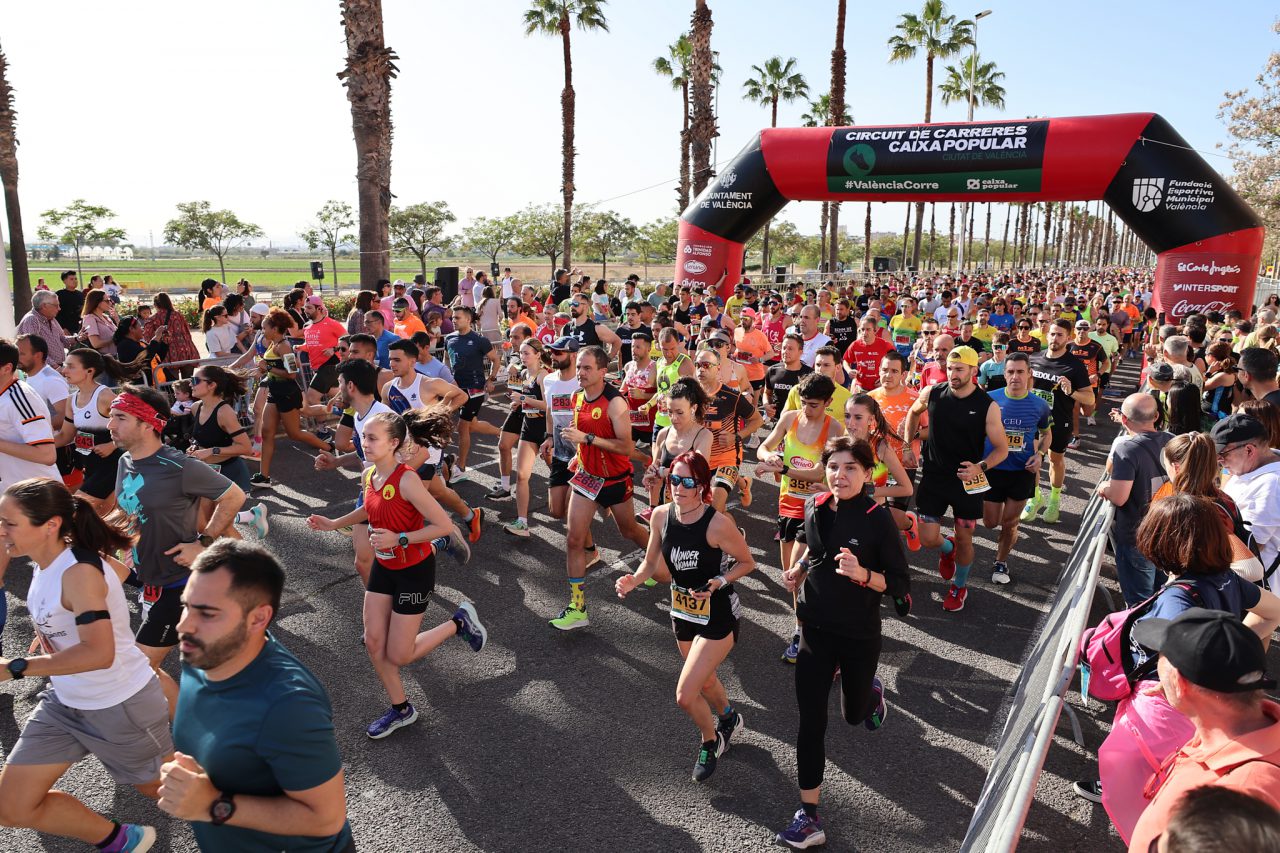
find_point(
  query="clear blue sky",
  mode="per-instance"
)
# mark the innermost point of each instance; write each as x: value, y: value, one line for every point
x: 142, y: 105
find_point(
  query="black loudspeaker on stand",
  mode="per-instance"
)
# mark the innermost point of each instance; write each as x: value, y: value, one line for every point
x: 447, y: 281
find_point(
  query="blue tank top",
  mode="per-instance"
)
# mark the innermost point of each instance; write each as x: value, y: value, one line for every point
x: 1023, y: 417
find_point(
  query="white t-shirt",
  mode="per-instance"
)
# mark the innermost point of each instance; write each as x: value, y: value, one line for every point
x: 1257, y: 496
x: 506, y: 288
x: 220, y: 339
x: 51, y: 385
x: 811, y: 347
x: 24, y: 419
x: 477, y: 294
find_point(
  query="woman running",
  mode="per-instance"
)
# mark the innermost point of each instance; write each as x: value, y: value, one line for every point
x: 533, y: 364
x: 685, y: 407
x: 220, y: 441
x: 85, y: 422
x: 639, y: 384
x: 864, y: 420
x: 279, y: 369
x: 700, y: 552
x: 851, y: 556
x: 103, y: 698
x: 403, y: 521
x: 533, y: 428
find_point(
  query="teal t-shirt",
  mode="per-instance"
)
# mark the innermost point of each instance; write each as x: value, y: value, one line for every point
x: 266, y: 730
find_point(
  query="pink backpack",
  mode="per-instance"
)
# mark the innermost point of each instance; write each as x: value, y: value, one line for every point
x: 1106, y: 660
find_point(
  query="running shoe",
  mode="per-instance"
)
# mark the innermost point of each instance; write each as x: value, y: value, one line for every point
x: 1051, y: 512
x: 497, y: 493
x: 517, y: 528
x: 1032, y: 508
x: 460, y: 475
x: 132, y: 838
x: 570, y: 619
x: 1091, y: 421
x: 593, y: 556
x: 324, y: 434
x: 1074, y: 443
x: 469, y: 626
x: 390, y: 721
x: 258, y: 481
x: 1000, y: 572
x: 729, y: 728
x: 346, y: 531
x: 804, y: 832
x: 1091, y: 791
x: 912, y: 533
x: 947, y: 561
x: 955, y: 598
x: 707, y: 755
x: 793, y: 649
x: 650, y: 583
x: 260, y: 524
x: 644, y: 515
x: 457, y: 546
x: 877, y: 717
x: 474, y: 524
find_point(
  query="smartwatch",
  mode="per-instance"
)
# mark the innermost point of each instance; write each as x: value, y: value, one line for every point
x: 17, y: 668
x: 222, y: 809
x: 205, y: 540
x: 591, y: 439
x: 403, y: 540
x: 983, y: 466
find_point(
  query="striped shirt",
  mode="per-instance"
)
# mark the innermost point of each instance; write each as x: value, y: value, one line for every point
x: 24, y: 419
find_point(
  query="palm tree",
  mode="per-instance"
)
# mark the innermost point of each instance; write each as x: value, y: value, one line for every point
x: 702, y: 124
x: 677, y: 65
x: 837, y: 100
x: 777, y: 80
x: 987, y: 91
x: 818, y: 115
x: 556, y: 17
x: 939, y: 35
x: 370, y: 67
x: 9, y: 177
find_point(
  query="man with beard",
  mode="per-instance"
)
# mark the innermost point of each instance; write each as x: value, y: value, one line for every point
x: 588, y: 332
x: 252, y: 718
x: 1062, y: 380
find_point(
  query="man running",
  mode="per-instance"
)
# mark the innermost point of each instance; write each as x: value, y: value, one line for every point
x: 1094, y: 356
x: 673, y: 365
x: 602, y: 480
x: 729, y: 416
x: 785, y: 375
x: 954, y: 465
x: 1062, y: 380
x: 558, y: 390
x: 587, y: 331
x: 864, y: 355
x: 468, y: 351
x: 1026, y: 419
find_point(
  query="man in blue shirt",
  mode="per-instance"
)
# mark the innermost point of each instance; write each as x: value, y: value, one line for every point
x: 257, y: 767
x: 1027, y: 427
x: 428, y: 365
x: 375, y: 323
x: 468, y: 351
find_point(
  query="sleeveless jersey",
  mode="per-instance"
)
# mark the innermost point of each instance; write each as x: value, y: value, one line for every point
x: 91, y: 425
x: 388, y: 510
x: 592, y: 417
x: 965, y: 432
x: 668, y: 375
x: 586, y: 333
x: 402, y: 400
x: 803, y: 457
x: 358, y: 421
x: 639, y: 386
x: 693, y: 562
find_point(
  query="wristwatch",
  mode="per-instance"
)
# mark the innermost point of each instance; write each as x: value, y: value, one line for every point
x: 591, y: 439
x: 222, y: 809
x: 17, y: 668
x: 403, y: 540
x: 205, y: 540
x: 983, y: 466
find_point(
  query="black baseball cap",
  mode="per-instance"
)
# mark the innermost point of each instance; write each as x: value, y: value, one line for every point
x: 565, y: 343
x: 1162, y: 371
x: 1211, y: 648
x: 1237, y: 427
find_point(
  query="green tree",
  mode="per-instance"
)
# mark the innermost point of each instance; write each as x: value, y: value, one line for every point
x: 9, y: 178
x: 556, y: 17
x: 985, y: 80
x: 602, y: 232
x: 77, y: 225
x: 330, y: 231
x: 419, y: 230
x: 939, y: 36
x: 198, y: 226
x: 367, y: 78
x: 540, y: 232
x: 1253, y: 120
x: 777, y: 80
x: 838, y: 109
x: 491, y: 235
x: 788, y: 243
x: 656, y: 242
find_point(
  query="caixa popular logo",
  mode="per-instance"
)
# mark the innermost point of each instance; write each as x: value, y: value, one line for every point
x: 695, y: 267
x: 1147, y: 193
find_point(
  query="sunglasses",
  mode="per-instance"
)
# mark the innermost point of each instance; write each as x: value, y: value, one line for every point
x: 196, y: 380
x: 685, y: 482
x: 1027, y: 328
x: 929, y: 334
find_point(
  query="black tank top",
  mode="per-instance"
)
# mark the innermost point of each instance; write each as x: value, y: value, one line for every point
x: 668, y: 457
x: 210, y: 434
x: 532, y: 388
x: 966, y: 430
x: 691, y: 560
x: 586, y: 333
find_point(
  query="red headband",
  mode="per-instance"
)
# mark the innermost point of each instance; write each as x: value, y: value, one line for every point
x: 132, y: 404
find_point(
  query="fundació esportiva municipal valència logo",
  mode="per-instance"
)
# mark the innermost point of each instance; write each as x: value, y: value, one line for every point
x: 1147, y: 193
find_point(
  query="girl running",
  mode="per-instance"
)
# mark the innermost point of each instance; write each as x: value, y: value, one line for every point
x: 864, y: 421
x: 533, y: 427
x: 85, y: 422
x: 279, y: 370
x: 405, y: 523
x: 689, y: 545
x: 686, y: 406
x: 221, y: 442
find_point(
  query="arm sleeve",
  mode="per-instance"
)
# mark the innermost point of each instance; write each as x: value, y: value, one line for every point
x: 201, y: 481
x: 297, y: 742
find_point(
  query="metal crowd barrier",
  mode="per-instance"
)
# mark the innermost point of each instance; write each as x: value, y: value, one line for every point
x: 1038, y: 694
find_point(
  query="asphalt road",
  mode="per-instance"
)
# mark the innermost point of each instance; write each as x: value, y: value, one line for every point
x: 554, y: 741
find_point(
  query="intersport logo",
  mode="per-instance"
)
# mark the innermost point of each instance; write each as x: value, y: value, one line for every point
x: 695, y: 267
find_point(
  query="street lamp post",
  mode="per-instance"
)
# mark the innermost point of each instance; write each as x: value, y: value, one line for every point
x: 973, y: 83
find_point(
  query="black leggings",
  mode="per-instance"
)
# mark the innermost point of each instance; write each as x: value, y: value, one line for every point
x: 820, y: 653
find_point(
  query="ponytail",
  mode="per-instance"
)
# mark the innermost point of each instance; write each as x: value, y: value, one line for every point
x: 431, y: 426
x: 41, y: 499
x: 90, y: 530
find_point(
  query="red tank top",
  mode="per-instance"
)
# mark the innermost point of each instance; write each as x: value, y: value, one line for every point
x: 592, y: 417
x: 388, y: 510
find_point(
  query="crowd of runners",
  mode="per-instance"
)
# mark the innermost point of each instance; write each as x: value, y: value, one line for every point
x: 884, y: 417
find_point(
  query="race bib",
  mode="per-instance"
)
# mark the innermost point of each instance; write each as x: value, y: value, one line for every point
x: 639, y: 418
x: 685, y: 606
x: 587, y: 485
x: 561, y: 403
x: 215, y: 466
x: 475, y: 392
x: 727, y: 475
x: 1017, y: 441
x: 978, y: 485
x: 902, y: 340
x: 84, y: 443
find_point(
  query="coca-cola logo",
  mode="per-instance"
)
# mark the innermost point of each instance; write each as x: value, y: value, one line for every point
x: 695, y: 267
x: 1182, y: 307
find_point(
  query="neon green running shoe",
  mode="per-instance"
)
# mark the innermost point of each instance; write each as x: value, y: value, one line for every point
x: 1032, y: 508
x: 650, y: 583
x: 570, y: 619
x: 1051, y: 511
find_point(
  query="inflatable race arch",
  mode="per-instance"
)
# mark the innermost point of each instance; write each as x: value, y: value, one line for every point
x: 1208, y: 241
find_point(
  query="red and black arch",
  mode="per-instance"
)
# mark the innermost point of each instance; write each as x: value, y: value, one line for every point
x: 1208, y: 241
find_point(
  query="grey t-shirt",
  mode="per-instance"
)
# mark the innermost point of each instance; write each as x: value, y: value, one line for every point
x: 1137, y: 459
x: 160, y: 495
